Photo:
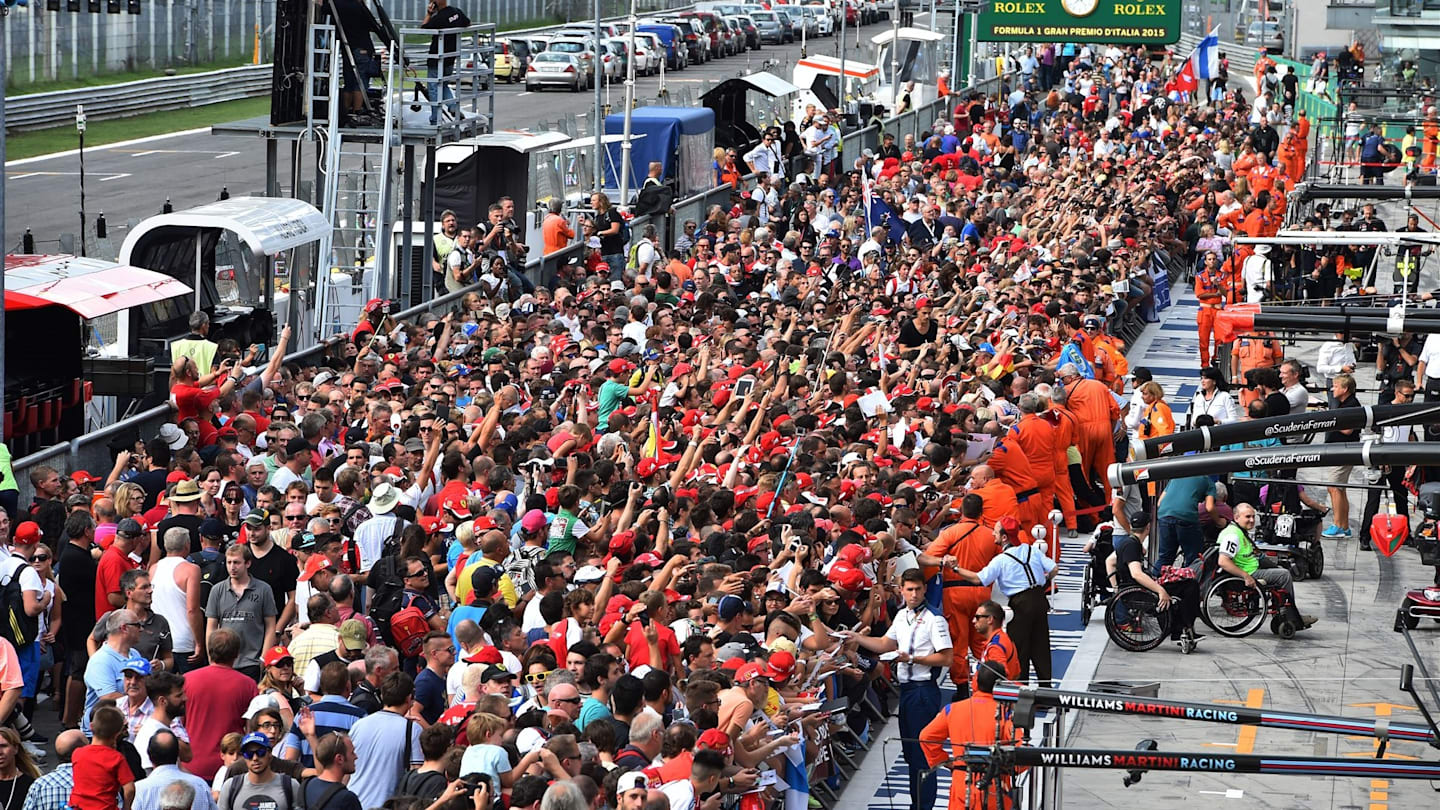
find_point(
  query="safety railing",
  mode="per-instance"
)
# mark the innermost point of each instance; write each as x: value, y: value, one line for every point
x: 41, y: 110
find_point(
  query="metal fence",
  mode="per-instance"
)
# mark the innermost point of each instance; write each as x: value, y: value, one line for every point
x: 58, y: 45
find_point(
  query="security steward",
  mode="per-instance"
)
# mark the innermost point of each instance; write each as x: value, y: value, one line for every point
x: 1024, y: 575
x: 987, y: 624
x: 923, y: 644
x: 973, y: 721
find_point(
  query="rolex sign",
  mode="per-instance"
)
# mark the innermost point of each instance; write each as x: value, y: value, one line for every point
x: 1103, y: 21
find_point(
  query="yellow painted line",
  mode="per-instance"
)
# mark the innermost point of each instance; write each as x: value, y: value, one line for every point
x: 1383, y: 709
x: 1379, y: 796
x: 1246, y: 742
x: 1380, y: 783
x: 1379, y: 807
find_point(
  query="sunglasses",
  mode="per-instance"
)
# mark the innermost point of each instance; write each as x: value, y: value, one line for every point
x: 45, y: 557
x: 565, y: 700
x: 538, y: 677
x: 252, y: 753
x: 232, y: 500
x: 294, y: 517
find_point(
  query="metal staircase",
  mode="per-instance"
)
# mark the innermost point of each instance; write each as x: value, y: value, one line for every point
x: 356, y: 192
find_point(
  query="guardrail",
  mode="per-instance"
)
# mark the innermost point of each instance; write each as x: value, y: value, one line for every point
x: 43, y: 110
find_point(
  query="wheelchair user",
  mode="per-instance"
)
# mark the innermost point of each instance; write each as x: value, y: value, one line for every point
x: 1239, y: 557
x: 1180, y: 594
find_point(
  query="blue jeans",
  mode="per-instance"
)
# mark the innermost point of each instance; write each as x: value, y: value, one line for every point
x: 617, y: 265
x: 1176, y: 535
x: 435, y: 88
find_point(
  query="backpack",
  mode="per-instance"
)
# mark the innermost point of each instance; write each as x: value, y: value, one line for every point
x: 19, y: 628
x: 211, y: 572
x: 232, y: 787
x: 408, y: 628
x: 389, y: 586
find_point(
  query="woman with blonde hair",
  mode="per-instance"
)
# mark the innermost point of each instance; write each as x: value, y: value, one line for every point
x: 1156, y: 419
x: 17, y: 770
x: 129, y: 501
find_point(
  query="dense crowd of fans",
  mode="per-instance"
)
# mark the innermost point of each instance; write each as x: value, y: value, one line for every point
x: 643, y: 539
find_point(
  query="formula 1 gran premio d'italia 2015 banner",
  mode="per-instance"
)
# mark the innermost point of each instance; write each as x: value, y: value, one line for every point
x: 1107, y: 21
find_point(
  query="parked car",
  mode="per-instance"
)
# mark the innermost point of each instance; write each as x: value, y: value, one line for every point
x: 583, y: 30
x: 697, y: 42
x: 824, y: 21
x: 804, y: 20
x: 616, y: 56
x: 649, y: 53
x: 710, y: 25
x: 583, y: 49
x: 747, y: 26
x: 677, y: 56
x: 723, y: 9
x: 1265, y: 34
x: 512, y: 56
x: 736, y: 35
x: 555, y: 68
x: 769, y: 27
x: 789, y: 23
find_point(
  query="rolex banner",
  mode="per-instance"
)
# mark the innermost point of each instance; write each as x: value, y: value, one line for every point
x: 1104, y: 21
x: 1265, y: 460
x: 1295, y: 428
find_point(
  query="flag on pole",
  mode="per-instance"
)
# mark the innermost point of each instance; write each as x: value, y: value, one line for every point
x: 1184, y: 81
x: 1203, y: 63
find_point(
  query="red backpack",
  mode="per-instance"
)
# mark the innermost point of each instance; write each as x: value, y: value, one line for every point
x: 408, y: 628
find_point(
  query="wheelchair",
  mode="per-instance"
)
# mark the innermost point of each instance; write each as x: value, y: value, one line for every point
x: 1135, y: 623
x: 1233, y: 609
x: 1292, y: 541
x: 1095, y: 582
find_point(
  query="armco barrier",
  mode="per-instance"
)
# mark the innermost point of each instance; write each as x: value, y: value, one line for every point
x: 41, y: 110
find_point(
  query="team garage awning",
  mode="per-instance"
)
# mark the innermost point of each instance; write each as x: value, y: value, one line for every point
x: 88, y: 287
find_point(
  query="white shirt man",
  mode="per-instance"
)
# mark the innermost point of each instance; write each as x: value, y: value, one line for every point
x: 1258, y: 276
x: 1428, y: 365
x: 918, y: 632
x: 765, y: 157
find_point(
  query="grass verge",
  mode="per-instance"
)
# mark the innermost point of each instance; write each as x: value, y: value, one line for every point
x: 19, y: 88
x: 99, y: 133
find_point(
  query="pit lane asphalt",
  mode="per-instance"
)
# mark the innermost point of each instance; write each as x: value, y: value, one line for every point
x: 1347, y: 664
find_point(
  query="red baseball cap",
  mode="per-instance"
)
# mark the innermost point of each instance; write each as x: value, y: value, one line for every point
x: 849, y: 577
x: 275, y: 655
x: 749, y: 672
x: 176, y: 476
x: 314, y: 565
x: 84, y: 477
x: 781, y: 666
x: 27, y: 534
x: 715, y: 740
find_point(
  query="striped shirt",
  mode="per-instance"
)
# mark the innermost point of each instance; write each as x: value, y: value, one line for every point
x: 332, y: 713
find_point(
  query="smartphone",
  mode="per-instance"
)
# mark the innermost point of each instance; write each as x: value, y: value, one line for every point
x: 644, y: 618
x: 262, y: 353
